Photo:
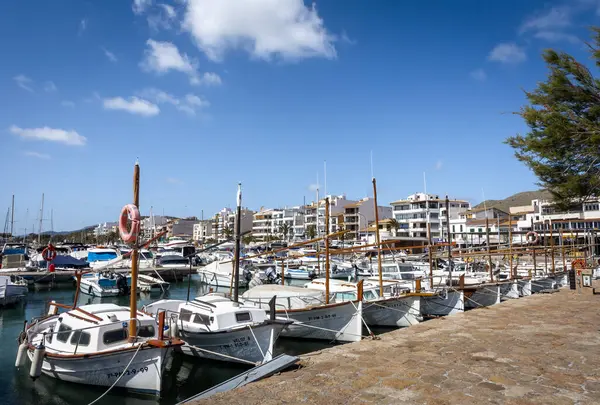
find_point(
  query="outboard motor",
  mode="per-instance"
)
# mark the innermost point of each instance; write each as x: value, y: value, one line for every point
x: 247, y: 272
x: 122, y: 285
x: 271, y: 275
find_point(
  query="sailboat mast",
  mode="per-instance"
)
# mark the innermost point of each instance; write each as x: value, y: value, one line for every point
x: 12, y: 216
x: 41, y: 220
x: 327, y: 250
x: 238, y: 231
x: 428, y: 227
x: 377, y: 237
x: 134, y: 261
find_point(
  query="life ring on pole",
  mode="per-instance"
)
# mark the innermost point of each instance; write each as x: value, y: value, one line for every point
x: 129, y: 212
x: 532, y: 237
x: 49, y: 253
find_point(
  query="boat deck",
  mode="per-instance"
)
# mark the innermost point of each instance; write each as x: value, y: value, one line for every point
x: 542, y: 349
x: 67, y: 275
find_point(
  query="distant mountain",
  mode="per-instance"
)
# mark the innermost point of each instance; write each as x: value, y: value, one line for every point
x: 515, y: 200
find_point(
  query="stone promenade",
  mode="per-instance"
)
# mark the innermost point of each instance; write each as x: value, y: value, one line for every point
x: 543, y: 349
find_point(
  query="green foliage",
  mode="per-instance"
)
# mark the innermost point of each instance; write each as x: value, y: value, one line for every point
x: 248, y: 239
x: 311, y: 231
x: 285, y: 230
x: 562, y: 146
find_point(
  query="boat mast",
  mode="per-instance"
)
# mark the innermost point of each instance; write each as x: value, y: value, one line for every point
x: 238, y: 227
x: 487, y: 238
x: 449, y: 241
x: 377, y: 237
x: 134, y: 261
x: 41, y: 220
x: 12, y: 217
x: 428, y: 227
x: 327, y: 250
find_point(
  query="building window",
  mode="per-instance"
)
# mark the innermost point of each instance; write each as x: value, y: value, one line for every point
x: 461, y: 228
x: 453, y: 230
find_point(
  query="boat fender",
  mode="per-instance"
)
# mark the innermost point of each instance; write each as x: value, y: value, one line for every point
x: 38, y: 358
x: 129, y: 212
x: 21, y: 354
x: 174, y: 329
x: 52, y: 309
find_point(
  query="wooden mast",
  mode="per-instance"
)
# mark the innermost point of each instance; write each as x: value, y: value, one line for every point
x: 377, y: 237
x: 326, y: 250
x: 489, y: 254
x: 238, y: 225
x: 134, y: 260
x: 449, y: 241
x: 510, y: 251
x: 552, y: 248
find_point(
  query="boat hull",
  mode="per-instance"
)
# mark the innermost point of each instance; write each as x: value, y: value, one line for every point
x: 447, y: 303
x: 541, y: 284
x: 96, y: 291
x: 298, y: 274
x: 341, y: 322
x: 509, y: 291
x: 482, y: 296
x: 524, y: 288
x: 143, y: 375
x: 396, y: 311
x: 236, y: 344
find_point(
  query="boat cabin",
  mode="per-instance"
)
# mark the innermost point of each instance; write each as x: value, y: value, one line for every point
x: 94, y: 328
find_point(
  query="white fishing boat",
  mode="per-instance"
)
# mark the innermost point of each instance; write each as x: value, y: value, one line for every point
x: 13, y: 289
x: 300, y: 273
x: 220, y: 274
x: 217, y: 328
x: 174, y: 241
x: 91, y: 345
x: 443, y: 302
x: 524, y: 286
x: 313, y: 319
x: 105, y: 284
x: 398, y: 307
x: 481, y: 295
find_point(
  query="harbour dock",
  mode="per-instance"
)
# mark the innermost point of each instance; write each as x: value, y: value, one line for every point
x: 541, y: 349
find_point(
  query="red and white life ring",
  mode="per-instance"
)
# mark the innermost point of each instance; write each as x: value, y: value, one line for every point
x: 129, y: 212
x: 49, y: 253
x: 532, y: 237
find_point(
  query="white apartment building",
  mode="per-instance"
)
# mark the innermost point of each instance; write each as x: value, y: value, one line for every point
x: 337, y: 205
x: 584, y: 218
x: 272, y: 222
x: 412, y: 215
x: 469, y: 227
x: 203, y: 230
x: 105, y: 228
x: 224, y: 223
x: 358, y: 216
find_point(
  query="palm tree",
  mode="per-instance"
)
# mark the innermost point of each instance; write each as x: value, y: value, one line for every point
x: 394, y: 225
x: 228, y: 232
x: 311, y: 231
x: 248, y: 239
x: 285, y: 229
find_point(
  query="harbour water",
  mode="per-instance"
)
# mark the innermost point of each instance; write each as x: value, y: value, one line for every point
x: 187, y: 377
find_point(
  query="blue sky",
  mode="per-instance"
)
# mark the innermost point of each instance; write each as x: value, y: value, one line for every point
x: 207, y: 93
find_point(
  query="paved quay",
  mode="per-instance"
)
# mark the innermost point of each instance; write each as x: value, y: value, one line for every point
x: 543, y: 349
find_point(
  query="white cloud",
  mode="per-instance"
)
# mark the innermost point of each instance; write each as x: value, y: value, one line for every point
x: 161, y: 57
x: 37, y: 155
x: 479, y: 75
x: 82, y: 26
x: 134, y: 105
x: 139, y: 6
x: 554, y: 36
x: 24, y: 82
x: 263, y: 28
x: 50, y: 134
x: 166, y: 19
x: 67, y: 103
x: 111, y: 56
x: 49, y: 87
x: 174, y: 180
x: 507, y: 53
x: 209, y: 79
x: 438, y: 165
x: 169, y: 11
x: 556, y: 17
x: 190, y: 104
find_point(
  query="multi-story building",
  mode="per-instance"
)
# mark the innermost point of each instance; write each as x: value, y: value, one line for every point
x: 152, y: 225
x: 314, y: 214
x: 469, y: 227
x: 223, y: 223
x: 203, y: 230
x: 105, y: 228
x: 270, y: 223
x: 358, y: 215
x: 413, y: 213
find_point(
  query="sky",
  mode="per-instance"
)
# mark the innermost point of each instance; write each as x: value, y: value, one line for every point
x: 209, y: 93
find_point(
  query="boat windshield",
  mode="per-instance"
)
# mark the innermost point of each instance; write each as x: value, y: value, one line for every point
x: 407, y: 276
x: 173, y: 260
